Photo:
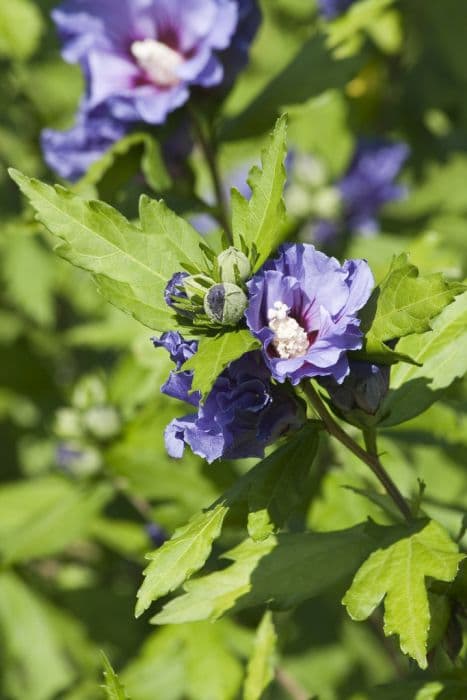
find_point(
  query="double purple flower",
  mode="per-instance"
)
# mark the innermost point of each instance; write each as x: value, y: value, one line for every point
x: 303, y: 308
x: 140, y: 60
x: 244, y: 412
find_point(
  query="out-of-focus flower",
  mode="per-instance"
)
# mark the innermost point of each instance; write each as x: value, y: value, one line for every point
x: 244, y: 412
x: 303, y: 308
x: 156, y: 533
x: 70, y: 153
x: 333, y: 8
x: 140, y: 61
x: 369, y: 182
x: 363, y: 389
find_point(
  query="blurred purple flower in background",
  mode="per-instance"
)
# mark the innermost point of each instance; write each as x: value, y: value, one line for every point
x: 333, y: 8
x: 366, y: 187
x: 243, y: 413
x: 303, y: 308
x: 141, y: 58
x: 369, y: 182
x: 70, y: 153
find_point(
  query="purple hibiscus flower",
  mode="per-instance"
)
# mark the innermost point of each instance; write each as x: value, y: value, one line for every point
x: 141, y: 60
x: 366, y: 187
x: 303, y: 308
x: 178, y: 385
x: 242, y: 414
x: 331, y: 9
x: 369, y: 182
x: 70, y: 153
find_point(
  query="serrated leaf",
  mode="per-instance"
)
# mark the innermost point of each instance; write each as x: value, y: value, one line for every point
x: 186, y: 243
x: 21, y: 26
x: 180, y: 557
x: 113, y: 688
x: 442, y: 354
x: 131, y: 268
x: 215, y: 354
x: 257, y: 222
x: 262, y: 572
x: 134, y: 152
x: 404, y: 303
x: 398, y: 575
x: 260, y: 671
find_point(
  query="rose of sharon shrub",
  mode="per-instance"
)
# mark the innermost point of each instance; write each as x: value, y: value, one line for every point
x: 303, y: 308
x: 244, y: 412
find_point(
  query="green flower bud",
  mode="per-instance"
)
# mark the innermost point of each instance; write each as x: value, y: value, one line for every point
x: 90, y: 391
x: 232, y: 263
x: 225, y: 304
x: 68, y: 423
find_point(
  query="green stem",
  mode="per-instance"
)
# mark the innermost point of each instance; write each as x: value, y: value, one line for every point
x: 290, y: 685
x: 207, y: 145
x: 368, y: 456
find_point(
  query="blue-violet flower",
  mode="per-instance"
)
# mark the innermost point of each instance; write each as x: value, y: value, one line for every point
x: 331, y: 9
x: 244, y: 412
x: 303, y: 308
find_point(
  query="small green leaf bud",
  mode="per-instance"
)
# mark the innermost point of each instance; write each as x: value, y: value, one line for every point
x: 103, y: 422
x: 225, y: 304
x: 232, y: 263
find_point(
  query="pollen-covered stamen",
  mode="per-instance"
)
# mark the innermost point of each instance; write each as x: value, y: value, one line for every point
x: 290, y: 339
x: 158, y: 60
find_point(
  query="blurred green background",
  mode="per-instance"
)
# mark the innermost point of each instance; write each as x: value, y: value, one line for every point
x: 85, y: 485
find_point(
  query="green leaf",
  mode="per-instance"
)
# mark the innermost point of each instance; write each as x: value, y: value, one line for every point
x: 20, y: 29
x: 34, y: 664
x: 135, y: 152
x: 275, y: 487
x: 257, y: 222
x: 262, y: 572
x: 114, y: 689
x: 345, y: 32
x: 180, y: 557
x: 131, y: 268
x: 42, y: 516
x: 260, y: 671
x: 215, y: 354
x: 398, y: 574
x: 442, y: 354
x: 157, y: 218
x: 404, y: 303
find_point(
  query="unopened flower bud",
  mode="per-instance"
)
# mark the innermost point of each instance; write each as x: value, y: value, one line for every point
x: 232, y: 263
x: 225, y: 304
x: 103, y: 422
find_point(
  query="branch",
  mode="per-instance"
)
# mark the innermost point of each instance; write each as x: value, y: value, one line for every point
x: 371, y: 459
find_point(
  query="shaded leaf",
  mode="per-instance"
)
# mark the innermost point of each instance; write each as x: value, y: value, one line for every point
x: 20, y: 29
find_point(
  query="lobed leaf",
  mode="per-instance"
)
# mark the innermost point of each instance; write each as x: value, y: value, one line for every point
x: 131, y: 267
x: 257, y: 222
x: 403, y: 304
x: 180, y: 557
x: 442, y: 354
x: 397, y: 574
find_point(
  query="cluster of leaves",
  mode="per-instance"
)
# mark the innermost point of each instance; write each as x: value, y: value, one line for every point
x: 268, y: 551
